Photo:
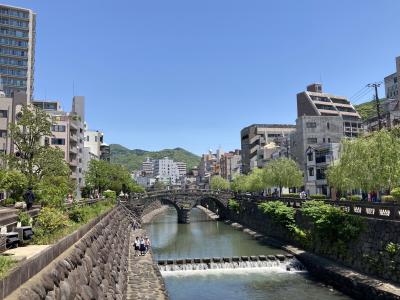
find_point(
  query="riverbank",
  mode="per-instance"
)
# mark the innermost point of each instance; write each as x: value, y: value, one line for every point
x: 213, y: 216
x: 151, y: 215
x: 346, y: 280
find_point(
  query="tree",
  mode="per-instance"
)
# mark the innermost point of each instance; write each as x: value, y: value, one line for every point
x: 14, y: 182
x: 283, y: 172
x: 97, y: 175
x: 159, y: 185
x: 370, y: 163
x: 219, y: 183
x: 256, y: 181
x: 240, y: 183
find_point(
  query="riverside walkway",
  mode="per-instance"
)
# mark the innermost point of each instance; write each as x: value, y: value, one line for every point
x: 144, y: 278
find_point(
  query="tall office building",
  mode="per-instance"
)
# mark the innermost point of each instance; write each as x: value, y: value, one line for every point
x: 17, y: 49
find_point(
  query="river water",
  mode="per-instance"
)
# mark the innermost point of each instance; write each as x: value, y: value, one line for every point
x: 204, y: 238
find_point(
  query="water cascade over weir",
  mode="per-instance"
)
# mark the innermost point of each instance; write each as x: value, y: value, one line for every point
x: 285, y: 262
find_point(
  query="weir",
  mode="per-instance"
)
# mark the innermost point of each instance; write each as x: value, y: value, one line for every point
x: 285, y: 262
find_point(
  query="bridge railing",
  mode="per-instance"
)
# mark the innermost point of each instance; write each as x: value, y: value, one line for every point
x: 180, y: 192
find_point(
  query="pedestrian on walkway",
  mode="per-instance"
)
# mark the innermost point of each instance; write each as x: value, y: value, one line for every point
x: 147, y: 244
x: 142, y: 246
x: 136, y: 245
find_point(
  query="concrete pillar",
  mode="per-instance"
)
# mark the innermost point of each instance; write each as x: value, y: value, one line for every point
x: 184, y: 215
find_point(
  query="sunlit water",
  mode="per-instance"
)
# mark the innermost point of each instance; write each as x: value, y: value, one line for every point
x: 202, y: 238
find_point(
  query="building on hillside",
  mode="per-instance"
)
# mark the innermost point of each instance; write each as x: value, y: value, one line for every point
x: 181, y: 168
x: 17, y: 49
x: 390, y: 115
x: 105, y: 152
x: 209, y: 166
x: 323, y: 121
x: 392, y: 83
x: 318, y: 159
x: 147, y: 167
x: 231, y: 164
x: 68, y: 134
x: 256, y: 137
x: 167, y: 171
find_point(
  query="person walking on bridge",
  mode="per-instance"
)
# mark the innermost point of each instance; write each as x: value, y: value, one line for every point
x: 142, y: 246
x: 136, y: 245
x: 147, y: 244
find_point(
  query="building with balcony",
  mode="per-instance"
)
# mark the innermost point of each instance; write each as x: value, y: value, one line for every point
x: 255, y: 137
x: 147, y: 168
x: 17, y: 49
x: 231, y: 164
x: 318, y: 159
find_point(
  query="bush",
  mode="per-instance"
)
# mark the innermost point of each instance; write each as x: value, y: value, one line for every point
x: 6, y: 263
x: 396, y: 193
x: 24, y: 218
x: 318, y: 196
x: 279, y: 212
x: 233, y: 205
x: 355, y: 198
x: 387, y: 198
x: 78, y: 215
x: 50, y: 220
x: 110, y: 194
x: 291, y: 195
x: 343, y: 199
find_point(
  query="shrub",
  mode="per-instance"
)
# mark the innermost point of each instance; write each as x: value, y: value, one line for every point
x: 318, y: 196
x: 110, y: 194
x: 396, y: 193
x: 291, y: 195
x: 392, y: 249
x: 343, y: 199
x: 279, y: 212
x: 78, y: 215
x: 355, y: 198
x: 6, y: 263
x: 387, y: 198
x: 24, y: 218
x: 50, y: 220
x: 233, y: 205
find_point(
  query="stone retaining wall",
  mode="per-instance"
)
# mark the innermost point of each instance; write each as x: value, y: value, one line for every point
x: 96, y: 268
x: 367, y: 254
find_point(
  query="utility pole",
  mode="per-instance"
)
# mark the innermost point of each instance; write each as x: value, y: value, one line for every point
x: 378, y: 110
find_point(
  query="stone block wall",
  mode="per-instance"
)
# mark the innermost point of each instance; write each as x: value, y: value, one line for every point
x: 367, y: 254
x: 96, y: 268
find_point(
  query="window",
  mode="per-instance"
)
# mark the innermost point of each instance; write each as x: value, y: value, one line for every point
x: 58, y: 128
x: 311, y: 172
x: 329, y: 140
x: 310, y: 156
x: 3, y: 133
x: 311, y: 125
x: 95, y: 138
x: 87, y: 139
x: 327, y: 125
x: 55, y: 141
x: 312, y: 140
x: 323, y: 140
x: 3, y: 113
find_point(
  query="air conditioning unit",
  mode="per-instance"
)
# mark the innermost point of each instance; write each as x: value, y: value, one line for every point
x: 25, y: 233
x: 12, y: 239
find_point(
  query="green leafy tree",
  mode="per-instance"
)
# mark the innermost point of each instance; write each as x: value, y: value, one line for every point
x: 159, y: 185
x: 219, y: 183
x: 14, y: 182
x: 283, y: 172
x: 240, y: 183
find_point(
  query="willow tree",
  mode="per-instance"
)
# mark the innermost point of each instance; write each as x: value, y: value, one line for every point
x: 240, y: 183
x: 283, y: 172
x: 219, y: 183
x: 370, y: 163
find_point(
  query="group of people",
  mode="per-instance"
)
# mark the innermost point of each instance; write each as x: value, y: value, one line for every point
x: 141, y: 245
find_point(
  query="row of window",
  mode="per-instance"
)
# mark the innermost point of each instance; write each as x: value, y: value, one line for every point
x: 3, y: 133
x: 15, y: 52
x: 12, y: 22
x: 12, y: 81
x: 13, y: 61
x: 57, y: 141
x: 12, y: 42
x: 314, y: 125
x: 14, y: 13
x: 313, y: 140
x: 14, y: 32
x: 58, y: 128
x: 13, y: 72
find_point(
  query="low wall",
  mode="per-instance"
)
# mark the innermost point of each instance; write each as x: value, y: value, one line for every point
x: 95, y: 268
x: 30, y: 267
x: 366, y: 254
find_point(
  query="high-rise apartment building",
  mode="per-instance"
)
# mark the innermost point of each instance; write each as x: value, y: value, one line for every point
x: 231, y: 164
x: 17, y: 49
x: 255, y: 137
x: 147, y: 168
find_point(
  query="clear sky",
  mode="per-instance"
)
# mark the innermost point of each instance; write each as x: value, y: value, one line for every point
x: 191, y: 73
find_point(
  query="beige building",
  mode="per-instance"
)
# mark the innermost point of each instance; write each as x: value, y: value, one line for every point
x: 68, y: 134
x: 231, y: 164
x: 17, y: 49
x: 255, y: 137
x: 392, y: 83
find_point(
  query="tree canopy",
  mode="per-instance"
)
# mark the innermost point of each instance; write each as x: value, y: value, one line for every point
x: 219, y: 183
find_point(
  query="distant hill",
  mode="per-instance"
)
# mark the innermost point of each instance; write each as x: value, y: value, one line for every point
x: 132, y: 159
x: 366, y: 109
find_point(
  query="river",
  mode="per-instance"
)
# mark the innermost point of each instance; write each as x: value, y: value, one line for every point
x: 204, y: 238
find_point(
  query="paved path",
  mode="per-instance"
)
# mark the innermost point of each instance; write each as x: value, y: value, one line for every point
x: 144, y: 278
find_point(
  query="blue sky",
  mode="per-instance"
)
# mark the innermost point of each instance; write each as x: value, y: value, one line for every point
x: 162, y: 74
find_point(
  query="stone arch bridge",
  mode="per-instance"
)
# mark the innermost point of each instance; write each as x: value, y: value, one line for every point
x: 183, y: 201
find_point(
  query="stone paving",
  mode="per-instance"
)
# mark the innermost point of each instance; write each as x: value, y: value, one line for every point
x: 144, y: 278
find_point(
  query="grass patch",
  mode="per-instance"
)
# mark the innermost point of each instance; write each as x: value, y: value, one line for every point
x: 46, y: 234
x: 6, y: 264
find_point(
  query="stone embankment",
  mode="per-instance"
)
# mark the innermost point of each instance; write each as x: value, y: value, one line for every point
x: 152, y: 214
x: 95, y: 268
x: 212, y: 215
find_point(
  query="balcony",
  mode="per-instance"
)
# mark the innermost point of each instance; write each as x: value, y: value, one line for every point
x: 73, y: 149
x: 73, y: 162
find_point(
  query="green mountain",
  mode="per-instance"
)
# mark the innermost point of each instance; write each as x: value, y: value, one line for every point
x: 367, y: 109
x: 132, y: 159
